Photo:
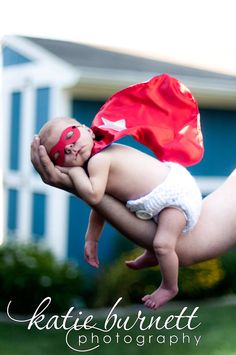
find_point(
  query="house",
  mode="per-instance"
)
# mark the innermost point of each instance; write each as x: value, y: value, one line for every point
x: 45, y: 78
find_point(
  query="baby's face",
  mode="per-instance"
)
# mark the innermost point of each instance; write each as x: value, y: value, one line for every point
x: 76, y: 154
x: 78, y: 150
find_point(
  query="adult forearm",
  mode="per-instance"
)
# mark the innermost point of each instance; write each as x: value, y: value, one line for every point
x: 139, y: 231
x: 142, y: 233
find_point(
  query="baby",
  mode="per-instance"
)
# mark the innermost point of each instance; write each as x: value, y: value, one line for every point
x: 163, y: 191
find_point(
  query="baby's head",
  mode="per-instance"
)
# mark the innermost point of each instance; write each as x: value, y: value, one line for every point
x: 67, y: 142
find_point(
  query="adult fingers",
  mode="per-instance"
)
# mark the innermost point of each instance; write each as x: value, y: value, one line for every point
x: 48, y: 170
x: 34, y: 154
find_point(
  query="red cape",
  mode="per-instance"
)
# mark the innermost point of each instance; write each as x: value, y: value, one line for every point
x: 161, y: 113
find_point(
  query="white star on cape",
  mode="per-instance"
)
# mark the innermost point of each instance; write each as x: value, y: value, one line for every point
x: 115, y: 125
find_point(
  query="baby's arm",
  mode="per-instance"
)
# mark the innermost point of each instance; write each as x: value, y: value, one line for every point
x: 95, y: 226
x: 90, y: 188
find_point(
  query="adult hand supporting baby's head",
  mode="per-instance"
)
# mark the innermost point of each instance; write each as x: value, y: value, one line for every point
x: 46, y: 169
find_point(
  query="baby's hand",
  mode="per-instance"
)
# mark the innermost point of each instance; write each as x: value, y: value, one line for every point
x: 91, y: 253
x: 63, y: 169
x: 72, y: 171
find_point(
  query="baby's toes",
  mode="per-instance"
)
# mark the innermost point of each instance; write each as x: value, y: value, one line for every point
x: 148, y: 303
x: 145, y: 298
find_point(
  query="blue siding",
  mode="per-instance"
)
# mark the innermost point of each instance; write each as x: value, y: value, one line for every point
x: 42, y: 107
x: 12, y: 210
x: 14, y: 146
x: 38, y: 216
x: 219, y: 127
x: 11, y: 57
x: 85, y: 110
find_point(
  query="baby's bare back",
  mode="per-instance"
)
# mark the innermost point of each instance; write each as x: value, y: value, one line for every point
x: 132, y: 173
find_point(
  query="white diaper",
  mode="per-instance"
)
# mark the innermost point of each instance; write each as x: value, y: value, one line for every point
x: 178, y: 190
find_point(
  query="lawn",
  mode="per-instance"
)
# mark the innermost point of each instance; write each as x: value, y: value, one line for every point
x: 217, y: 331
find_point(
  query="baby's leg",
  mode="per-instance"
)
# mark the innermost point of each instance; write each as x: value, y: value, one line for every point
x: 170, y: 225
x: 147, y: 259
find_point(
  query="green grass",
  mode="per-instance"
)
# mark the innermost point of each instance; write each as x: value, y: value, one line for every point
x: 217, y: 330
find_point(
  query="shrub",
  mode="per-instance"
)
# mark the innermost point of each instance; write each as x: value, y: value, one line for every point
x: 29, y: 273
x: 201, y: 280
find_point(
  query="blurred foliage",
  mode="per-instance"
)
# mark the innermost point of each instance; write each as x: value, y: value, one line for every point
x: 29, y: 273
x: 207, y: 279
x: 200, y: 280
x: 228, y: 261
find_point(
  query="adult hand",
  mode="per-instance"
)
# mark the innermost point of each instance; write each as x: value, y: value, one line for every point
x: 46, y: 169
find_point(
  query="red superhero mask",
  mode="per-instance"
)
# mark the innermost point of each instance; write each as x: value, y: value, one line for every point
x: 69, y: 136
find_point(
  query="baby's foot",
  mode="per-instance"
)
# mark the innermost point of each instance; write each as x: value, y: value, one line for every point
x: 159, y: 297
x: 147, y: 259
